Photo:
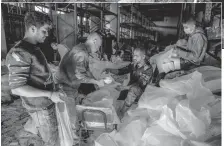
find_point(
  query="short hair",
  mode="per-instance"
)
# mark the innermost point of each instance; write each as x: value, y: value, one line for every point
x: 94, y: 35
x: 190, y: 21
x: 36, y: 19
x: 141, y: 49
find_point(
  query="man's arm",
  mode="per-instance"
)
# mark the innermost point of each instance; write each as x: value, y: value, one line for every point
x: 30, y: 92
x: 19, y: 63
x: 121, y: 71
x: 196, y: 50
x: 82, y: 72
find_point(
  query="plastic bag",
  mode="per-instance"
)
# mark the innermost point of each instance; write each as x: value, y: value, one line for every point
x: 64, y: 125
x: 156, y: 136
x: 106, y: 139
x: 211, y: 76
x: 70, y: 106
x: 155, y: 98
x: 184, y: 121
x: 130, y: 135
x: 104, y: 93
x: 194, y: 124
x: 193, y: 86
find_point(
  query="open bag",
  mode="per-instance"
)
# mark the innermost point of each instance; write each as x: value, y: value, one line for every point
x: 64, y: 125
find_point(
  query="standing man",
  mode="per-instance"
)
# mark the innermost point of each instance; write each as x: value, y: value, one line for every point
x: 31, y: 79
x: 74, y: 67
x: 108, y: 45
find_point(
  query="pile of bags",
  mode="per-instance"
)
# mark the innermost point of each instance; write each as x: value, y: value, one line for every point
x: 182, y: 112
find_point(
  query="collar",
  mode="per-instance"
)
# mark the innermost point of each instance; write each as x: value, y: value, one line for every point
x: 27, y: 45
x: 87, y: 47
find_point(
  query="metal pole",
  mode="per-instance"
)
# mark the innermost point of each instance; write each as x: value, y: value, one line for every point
x: 50, y: 11
x: 118, y: 22
x: 101, y: 17
x: 57, y: 36
x: 81, y: 21
x: 75, y: 23
x: 179, y: 22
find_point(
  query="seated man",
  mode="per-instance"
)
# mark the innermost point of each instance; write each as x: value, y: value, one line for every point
x: 74, y: 67
x: 140, y: 75
x: 187, y: 57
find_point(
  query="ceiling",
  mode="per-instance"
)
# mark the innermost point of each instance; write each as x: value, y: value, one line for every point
x: 157, y: 11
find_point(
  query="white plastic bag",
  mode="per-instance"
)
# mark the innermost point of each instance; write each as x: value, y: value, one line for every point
x: 130, y: 135
x: 154, y: 99
x: 193, y: 86
x: 212, y: 77
x: 106, y: 139
x: 184, y: 121
x: 156, y: 136
x: 64, y: 125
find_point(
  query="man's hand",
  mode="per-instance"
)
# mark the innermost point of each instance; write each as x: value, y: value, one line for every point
x: 174, y: 52
x: 100, y: 83
x: 56, y: 96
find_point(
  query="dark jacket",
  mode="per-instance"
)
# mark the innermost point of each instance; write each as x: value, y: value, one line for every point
x: 74, y: 67
x: 141, y: 76
x: 28, y: 66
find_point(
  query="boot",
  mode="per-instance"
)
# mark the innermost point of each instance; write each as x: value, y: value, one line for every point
x: 123, y: 110
x: 159, y: 77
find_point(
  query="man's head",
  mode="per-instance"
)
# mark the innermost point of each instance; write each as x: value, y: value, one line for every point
x: 139, y: 55
x: 37, y: 26
x: 189, y: 25
x: 94, y: 40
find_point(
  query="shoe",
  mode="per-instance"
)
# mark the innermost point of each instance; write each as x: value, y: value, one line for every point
x: 158, y: 78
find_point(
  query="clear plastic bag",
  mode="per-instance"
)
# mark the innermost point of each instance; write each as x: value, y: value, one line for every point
x: 64, y: 125
x: 130, y: 134
x: 191, y: 85
x: 154, y: 99
x: 184, y: 121
x: 156, y: 136
x: 106, y: 139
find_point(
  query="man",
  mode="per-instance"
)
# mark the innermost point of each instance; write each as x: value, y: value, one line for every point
x: 74, y: 67
x: 31, y: 79
x: 140, y: 75
x: 109, y: 38
x: 193, y: 54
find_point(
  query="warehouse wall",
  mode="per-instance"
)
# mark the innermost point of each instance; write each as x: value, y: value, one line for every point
x: 65, y: 29
x: 168, y: 26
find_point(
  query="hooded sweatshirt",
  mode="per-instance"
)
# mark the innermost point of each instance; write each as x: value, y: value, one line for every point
x: 196, y: 47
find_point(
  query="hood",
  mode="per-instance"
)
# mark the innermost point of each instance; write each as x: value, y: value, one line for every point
x: 199, y: 30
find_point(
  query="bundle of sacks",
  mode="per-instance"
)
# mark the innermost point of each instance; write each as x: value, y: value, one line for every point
x: 182, y: 112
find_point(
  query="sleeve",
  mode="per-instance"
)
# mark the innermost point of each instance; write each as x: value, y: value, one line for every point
x: 194, y: 52
x: 145, y: 77
x: 82, y: 72
x: 18, y: 63
x: 122, y: 71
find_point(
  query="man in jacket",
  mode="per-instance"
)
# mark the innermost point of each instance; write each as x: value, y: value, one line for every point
x: 140, y: 75
x: 190, y: 55
x: 31, y: 79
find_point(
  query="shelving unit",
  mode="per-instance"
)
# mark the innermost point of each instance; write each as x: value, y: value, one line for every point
x: 133, y: 24
x: 214, y: 31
